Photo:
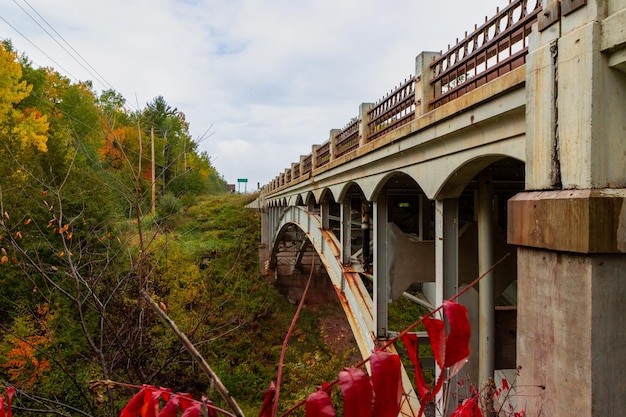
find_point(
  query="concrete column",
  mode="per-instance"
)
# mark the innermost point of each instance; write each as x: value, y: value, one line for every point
x: 365, y: 231
x: 571, y: 262
x: 446, y: 266
x: 346, y: 231
x: 424, y: 92
x: 381, y: 280
x: 325, y: 214
x: 363, y: 126
x: 446, y: 249
x: 487, y: 318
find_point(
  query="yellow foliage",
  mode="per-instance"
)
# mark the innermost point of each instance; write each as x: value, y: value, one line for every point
x: 29, y: 128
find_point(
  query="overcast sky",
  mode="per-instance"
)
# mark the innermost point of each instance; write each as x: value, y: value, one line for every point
x: 266, y: 78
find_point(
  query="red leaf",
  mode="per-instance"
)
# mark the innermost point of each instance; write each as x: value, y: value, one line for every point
x: 211, y: 409
x: 151, y: 406
x: 469, y: 408
x: 268, y: 401
x: 457, y: 342
x: 185, y: 401
x: 194, y: 410
x: 411, y: 342
x: 2, y: 413
x: 9, y: 392
x: 387, y: 383
x: 136, y: 404
x: 437, y: 334
x: 318, y: 404
x: 357, y: 393
x: 505, y: 384
x: 171, y: 408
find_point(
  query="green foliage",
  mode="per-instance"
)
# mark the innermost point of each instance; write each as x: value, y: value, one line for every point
x: 75, y: 183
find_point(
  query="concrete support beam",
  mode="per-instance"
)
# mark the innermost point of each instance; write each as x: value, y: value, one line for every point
x: 583, y: 221
x: 571, y: 344
x: 381, y: 282
x: 487, y: 312
x: 446, y: 262
x: 346, y: 230
x: 446, y: 249
x: 325, y: 213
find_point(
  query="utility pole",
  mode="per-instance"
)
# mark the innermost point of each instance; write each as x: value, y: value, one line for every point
x: 153, y: 173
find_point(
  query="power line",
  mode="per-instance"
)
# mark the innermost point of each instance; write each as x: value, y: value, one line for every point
x: 95, y: 73
x: 38, y: 48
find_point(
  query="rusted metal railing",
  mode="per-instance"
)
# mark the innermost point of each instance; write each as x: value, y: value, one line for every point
x: 493, y: 49
x: 322, y: 155
x: 296, y: 171
x: 394, y: 110
x: 348, y: 139
x: 307, y: 164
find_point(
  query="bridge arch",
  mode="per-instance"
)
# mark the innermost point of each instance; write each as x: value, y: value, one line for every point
x: 456, y: 181
x: 446, y: 177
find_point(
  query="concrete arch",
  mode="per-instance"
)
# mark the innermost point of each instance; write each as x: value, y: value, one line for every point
x: 453, y: 174
x: 369, y: 185
x: 310, y: 196
x: 457, y: 181
x: 325, y: 194
x: 404, y: 177
x: 345, y: 188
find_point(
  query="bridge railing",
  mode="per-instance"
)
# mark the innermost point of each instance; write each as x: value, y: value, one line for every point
x: 347, y: 139
x: 322, y: 154
x: 394, y: 110
x: 491, y: 50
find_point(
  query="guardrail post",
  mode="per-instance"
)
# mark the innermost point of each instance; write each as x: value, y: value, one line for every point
x: 333, y: 143
x: 381, y: 279
x: 294, y: 165
x: 424, y: 92
x: 302, y: 157
x: 364, y: 122
x: 314, y: 162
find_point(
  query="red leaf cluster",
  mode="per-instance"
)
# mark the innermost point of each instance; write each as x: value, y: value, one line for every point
x: 469, y: 408
x: 318, y: 404
x: 450, y: 351
x: 387, y: 383
x: 357, y: 393
x: 378, y: 396
x: 8, y: 393
x: 147, y: 401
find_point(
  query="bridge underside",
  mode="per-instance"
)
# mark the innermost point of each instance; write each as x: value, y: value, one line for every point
x: 388, y: 246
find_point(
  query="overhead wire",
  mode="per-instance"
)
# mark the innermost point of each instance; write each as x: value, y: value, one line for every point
x: 37, y: 47
x: 73, y: 53
x: 90, y: 70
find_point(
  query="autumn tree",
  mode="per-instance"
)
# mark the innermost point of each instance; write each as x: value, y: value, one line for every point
x: 76, y: 239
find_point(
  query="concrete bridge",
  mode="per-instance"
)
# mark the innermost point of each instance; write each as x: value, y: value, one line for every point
x: 508, y: 149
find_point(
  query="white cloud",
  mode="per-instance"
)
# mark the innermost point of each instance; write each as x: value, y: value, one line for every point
x: 271, y: 77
